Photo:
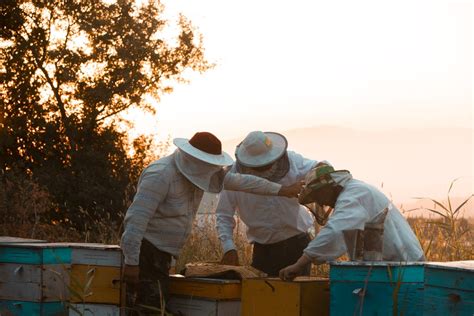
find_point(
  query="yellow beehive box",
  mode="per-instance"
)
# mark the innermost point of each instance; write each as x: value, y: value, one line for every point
x: 95, y: 273
x: 272, y: 296
x: 215, y: 289
x: 95, y: 284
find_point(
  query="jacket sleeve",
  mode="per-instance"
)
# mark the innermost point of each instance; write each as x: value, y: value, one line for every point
x: 303, y: 165
x: 225, y: 222
x: 329, y: 243
x: 152, y: 190
x: 250, y: 184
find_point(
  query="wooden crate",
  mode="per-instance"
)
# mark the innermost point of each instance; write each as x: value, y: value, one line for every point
x: 272, y: 296
x: 215, y: 289
x: 93, y: 310
x: 195, y: 306
x: 376, y: 288
x: 22, y: 308
x: 449, y: 288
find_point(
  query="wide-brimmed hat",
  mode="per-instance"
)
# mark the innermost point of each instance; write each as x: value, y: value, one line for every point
x: 205, y: 147
x: 321, y: 176
x: 260, y: 149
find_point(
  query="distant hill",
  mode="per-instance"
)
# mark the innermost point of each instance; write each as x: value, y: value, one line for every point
x: 404, y: 163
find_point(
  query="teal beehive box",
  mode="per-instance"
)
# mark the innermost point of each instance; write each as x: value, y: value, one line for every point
x: 449, y: 288
x: 376, y: 288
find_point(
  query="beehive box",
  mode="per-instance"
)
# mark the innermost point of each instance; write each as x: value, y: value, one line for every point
x: 449, y: 288
x: 376, y: 288
x: 34, y: 272
x: 95, y: 273
x: 204, y: 296
x: 49, y: 272
x: 272, y: 296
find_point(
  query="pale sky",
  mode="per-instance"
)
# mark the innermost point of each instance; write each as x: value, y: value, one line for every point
x: 372, y: 65
x: 364, y: 64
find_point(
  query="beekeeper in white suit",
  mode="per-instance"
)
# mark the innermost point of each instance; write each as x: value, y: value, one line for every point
x: 354, y: 204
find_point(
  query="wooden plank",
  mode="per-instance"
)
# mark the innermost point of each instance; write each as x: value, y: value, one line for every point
x: 21, y: 308
x: 55, y: 282
x: 111, y: 257
x: 20, y: 273
x: 8, y: 239
x: 202, y: 307
x: 9, y: 254
x: 21, y: 291
x: 205, y: 288
x: 34, y: 253
x: 104, y: 284
x: 94, y: 310
x: 380, y: 272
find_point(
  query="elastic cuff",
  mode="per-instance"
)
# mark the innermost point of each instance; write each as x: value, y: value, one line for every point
x: 131, y: 262
x: 228, y: 245
x: 313, y: 259
x: 274, y: 188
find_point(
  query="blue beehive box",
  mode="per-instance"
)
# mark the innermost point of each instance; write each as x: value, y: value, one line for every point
x: 376, y: 288
x: 449, y: 288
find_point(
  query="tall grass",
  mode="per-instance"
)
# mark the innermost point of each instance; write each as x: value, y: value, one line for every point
x: 445, y: 236
x: 448, y: 236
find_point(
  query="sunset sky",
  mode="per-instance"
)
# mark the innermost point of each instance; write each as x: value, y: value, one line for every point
x: 371, y: 65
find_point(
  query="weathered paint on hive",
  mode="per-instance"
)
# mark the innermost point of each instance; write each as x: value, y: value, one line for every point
x: 34, y: 253
x: 378, y: 289
x: 205, y: 288
x: 449, y: 288
x: 36, y: 283
x: 104, y: 284
x: 198, y: 307
x: 93, y: 310
x: 20, y: 308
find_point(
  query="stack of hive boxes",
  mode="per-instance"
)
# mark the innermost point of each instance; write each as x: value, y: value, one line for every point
x: 33, y: 279
x: 95, y: 286
x: 60, y: 278
x: 204, y: 296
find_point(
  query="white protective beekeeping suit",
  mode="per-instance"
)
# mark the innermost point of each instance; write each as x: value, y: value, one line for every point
x: 358, y: 204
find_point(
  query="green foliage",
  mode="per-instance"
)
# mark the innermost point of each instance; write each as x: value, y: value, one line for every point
x: 67, y: 70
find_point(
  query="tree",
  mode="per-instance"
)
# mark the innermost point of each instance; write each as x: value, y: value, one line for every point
x: 67, y: 70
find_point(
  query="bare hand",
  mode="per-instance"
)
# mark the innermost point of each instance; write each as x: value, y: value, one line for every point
x: 291, y: 191
x: 130, y: 274
x: 230, y: 258
x: 290, y: 272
